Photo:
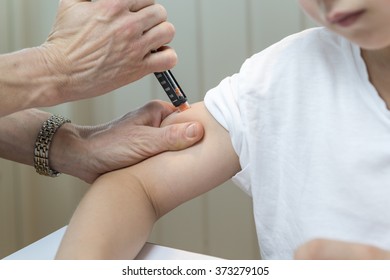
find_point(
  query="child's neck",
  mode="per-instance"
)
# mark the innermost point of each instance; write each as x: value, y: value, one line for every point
x: 378, y: 65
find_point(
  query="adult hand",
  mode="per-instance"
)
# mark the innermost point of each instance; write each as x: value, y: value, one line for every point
x: 324, y: 249
x: 88, y: 152
x: 98, y: 46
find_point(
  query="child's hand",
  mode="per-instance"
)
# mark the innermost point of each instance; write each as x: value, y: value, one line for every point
x: 324, y: 249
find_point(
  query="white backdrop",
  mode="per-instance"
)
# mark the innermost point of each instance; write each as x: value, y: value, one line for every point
x: 213, y: 39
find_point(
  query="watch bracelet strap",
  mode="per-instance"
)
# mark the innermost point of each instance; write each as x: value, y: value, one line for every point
x: 42, y: 145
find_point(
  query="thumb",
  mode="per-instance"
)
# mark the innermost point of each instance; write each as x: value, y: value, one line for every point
x: 181, y: 136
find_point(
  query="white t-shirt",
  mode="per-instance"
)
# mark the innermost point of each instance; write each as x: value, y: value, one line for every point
x: 313, y: 138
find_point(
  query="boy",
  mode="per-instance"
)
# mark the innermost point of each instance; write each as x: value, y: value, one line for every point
x: 303, y: 128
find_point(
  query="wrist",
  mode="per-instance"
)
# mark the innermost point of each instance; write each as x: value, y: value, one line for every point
x: 54, y: 68
x: 69, y: 151
x: 43, y: 144
x: 28, y: 80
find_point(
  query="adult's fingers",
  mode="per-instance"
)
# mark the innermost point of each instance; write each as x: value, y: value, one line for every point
x: 151, y: 16
x: 153, y: 113
x: 180, y: 136
x: 136, y: 5
x: 164, y: 59
x: 131, y: 5
x: 160, y: 35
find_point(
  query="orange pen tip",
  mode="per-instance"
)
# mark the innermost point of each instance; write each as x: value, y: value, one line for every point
x: 184, y: 106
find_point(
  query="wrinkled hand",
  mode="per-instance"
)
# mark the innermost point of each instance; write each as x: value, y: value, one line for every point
x: 123, y: 142
x: 98, y: 46
x: 323, y: 249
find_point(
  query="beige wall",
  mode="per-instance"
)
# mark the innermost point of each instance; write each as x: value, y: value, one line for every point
x: 213, y: 39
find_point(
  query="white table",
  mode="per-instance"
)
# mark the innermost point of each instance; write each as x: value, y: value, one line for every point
x: 46, y: 248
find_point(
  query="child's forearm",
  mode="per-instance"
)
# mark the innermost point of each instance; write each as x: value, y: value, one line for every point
x: 113, y: 221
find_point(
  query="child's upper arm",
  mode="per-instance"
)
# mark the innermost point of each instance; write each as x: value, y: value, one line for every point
x: 172, y: 178
x: 116, y: 215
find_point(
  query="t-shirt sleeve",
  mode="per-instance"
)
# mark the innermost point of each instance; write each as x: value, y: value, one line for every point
x: 224, y: 105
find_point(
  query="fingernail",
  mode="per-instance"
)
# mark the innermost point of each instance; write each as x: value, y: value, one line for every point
x: 191, y: 131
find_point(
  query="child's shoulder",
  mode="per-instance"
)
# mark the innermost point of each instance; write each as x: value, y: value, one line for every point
x: 316, y: 42
x: 316, y: 48
x: 313, y: 38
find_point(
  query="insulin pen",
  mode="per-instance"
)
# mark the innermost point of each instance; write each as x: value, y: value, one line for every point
x: 173, y: 90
